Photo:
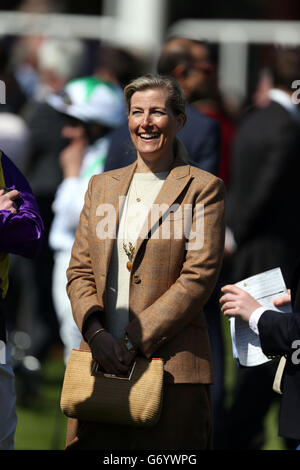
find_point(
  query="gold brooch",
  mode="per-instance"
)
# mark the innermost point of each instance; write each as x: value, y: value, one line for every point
x: 130, y: 253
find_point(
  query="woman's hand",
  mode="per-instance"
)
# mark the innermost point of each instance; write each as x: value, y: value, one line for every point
x: 111, y: 354
x: 7, y: 200
x: 237, y: 303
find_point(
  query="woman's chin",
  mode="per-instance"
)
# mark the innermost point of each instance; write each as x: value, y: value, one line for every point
x: 151, y: 155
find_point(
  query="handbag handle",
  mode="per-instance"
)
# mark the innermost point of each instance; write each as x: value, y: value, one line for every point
x: 98, y: 371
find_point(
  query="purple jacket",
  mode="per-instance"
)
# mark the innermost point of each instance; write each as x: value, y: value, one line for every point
x: 21, y: 233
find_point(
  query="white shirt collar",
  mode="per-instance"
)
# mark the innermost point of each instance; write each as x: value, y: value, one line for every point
x: 284, y: 99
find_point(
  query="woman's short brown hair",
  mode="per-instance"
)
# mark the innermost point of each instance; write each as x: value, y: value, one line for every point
x: 176, y: 97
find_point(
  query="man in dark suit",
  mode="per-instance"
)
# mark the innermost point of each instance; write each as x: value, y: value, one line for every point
x: 279, y: 335
x: 262, y: 202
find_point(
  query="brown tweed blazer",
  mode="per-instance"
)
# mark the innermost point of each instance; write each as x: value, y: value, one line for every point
x: 169, y: 283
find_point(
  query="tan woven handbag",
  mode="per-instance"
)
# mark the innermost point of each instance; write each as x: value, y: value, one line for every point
x: 89, y: 395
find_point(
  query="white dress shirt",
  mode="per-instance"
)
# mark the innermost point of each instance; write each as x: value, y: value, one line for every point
x: 254, y: 318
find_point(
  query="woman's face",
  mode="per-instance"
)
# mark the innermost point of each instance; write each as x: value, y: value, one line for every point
x: 152, y: 124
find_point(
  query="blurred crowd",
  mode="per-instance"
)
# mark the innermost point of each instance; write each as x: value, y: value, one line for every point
x: 64, y: 120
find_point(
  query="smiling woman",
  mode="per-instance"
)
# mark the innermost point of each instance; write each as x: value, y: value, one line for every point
x: 153, y: 124
x: 136, y: 294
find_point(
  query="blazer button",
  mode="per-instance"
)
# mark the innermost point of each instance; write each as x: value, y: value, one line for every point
x: 136, y: 279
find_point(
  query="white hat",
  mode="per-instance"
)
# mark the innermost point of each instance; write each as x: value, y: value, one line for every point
x: 91, y: 100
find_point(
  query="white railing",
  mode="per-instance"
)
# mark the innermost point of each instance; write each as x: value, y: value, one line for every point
x: 232, y: 31
x: 57, y: 25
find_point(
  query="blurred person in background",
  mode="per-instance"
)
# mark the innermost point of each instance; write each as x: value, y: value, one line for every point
x: 189, y: 62
x: 21, y: 234
x: 58, y: 62
x: 207, y: 97
x: 261, y: 208
x: 94, y: 107
x: 117, y: 64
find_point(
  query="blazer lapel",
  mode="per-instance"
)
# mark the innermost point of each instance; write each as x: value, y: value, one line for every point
x: 116, y: 187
